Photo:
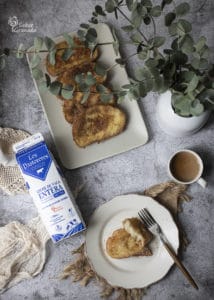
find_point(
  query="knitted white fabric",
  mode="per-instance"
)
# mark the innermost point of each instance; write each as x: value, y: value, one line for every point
x: 11, y: 180
x: 22, y: 251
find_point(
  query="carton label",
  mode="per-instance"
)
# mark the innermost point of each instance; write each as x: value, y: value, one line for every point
x: 35, y: 162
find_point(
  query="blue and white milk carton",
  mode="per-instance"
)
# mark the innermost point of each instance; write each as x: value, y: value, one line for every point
x: 48, y: 188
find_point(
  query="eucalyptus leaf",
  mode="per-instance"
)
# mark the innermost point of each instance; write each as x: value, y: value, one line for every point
x: 164, y: 2
x: 179, y: 58
x: 106, y: 97
x: 20, y: 51
x: 55, y: 88
x: 143, y: 54
x: 151, y: 63
x: 147, y: 20
x: 120, y: 99
x: 100, y: 69
x: 142, y: 89
x: 67, y: 53
x: 169, y: 70
x: 183, y: 27
x: 84, y: 25
x: 81, y: 34
x: 101, y: 88
x: 141, y: 9
x: 200, y: 44
x: 195, y: 63
x: 19, y: 55
x: 52, y: 57
x: 169, y: 18
x: 183, y: 103
x: 120, y: 61
x: 175, y: 44
x: 208, y: 93
x: 182, y: 9
x: 37, y: 73
x: 157, y: 41
x: 99, y: 10
x: 35, y: 61
x: 122, y: 93
x: 79, y: 78
x: 89, y: 79
x: 93, y: 20
x: 6, y: 51
x: 158, y: 84
x: 196, y: 108
x: 83, y: 86
x: 187, y: 76
x: 69, y: 39
x: 136, y: 37
x: 142, y: 74
x: 147, y: 3
x: 173, y: 29
x: 127, y: 28
x: 193, y: 83
x: 66, y: 94
x: 49, y: 43
x: 42, y: 86
x: 203, y: 64
x: 205, y: 51
x: 156, y: 11
x: 85, y: 97
x: 91, y: 35
x: 38, y: 43
x: 135, y: 92
x: 126, y: 86
x: 110, y: 6
x: 48, y: 80
x: 129, y: 4
x: 187, y: 44
x: 136, y: 17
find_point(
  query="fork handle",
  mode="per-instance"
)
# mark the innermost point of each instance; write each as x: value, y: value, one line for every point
x: 180, y: 265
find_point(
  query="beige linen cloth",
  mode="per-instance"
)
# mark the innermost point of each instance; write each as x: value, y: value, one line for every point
x: 11, y: 181
x: 22, y: 247
x: 169, y: 194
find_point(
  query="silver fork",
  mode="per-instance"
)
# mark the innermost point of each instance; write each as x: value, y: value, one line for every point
x: 155, y: 228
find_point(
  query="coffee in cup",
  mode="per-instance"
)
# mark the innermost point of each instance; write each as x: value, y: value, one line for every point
x: 186, y: 166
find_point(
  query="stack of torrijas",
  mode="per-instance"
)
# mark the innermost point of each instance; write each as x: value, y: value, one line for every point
x: 93, y: 120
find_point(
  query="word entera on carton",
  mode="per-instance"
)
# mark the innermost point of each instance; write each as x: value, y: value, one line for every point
x: 46, y: 185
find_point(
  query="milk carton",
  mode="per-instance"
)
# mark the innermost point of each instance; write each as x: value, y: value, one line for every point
x: 48, y: 188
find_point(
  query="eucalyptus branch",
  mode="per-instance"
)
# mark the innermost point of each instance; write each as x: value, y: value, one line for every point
x: 57, y: 49
x: 122, y: 60
x: 138, y: 30
x: 154, y: 25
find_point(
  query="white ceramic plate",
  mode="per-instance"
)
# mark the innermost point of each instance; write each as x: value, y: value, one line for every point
x: 134, y: 135
x: 133, y: 272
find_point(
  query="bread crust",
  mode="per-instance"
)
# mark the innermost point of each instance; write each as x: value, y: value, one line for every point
x: 97, y: 123
x: 122, y: 245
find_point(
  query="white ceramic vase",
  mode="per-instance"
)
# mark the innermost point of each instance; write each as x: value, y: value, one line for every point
x: 173, y: 124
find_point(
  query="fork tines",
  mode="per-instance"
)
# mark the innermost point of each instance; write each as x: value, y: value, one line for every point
x: 146, y: 217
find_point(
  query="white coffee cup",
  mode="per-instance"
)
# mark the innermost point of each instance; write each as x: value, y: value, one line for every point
x: 197, y: 178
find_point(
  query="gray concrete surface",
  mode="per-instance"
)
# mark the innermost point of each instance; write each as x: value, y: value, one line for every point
x: 129, y: 172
